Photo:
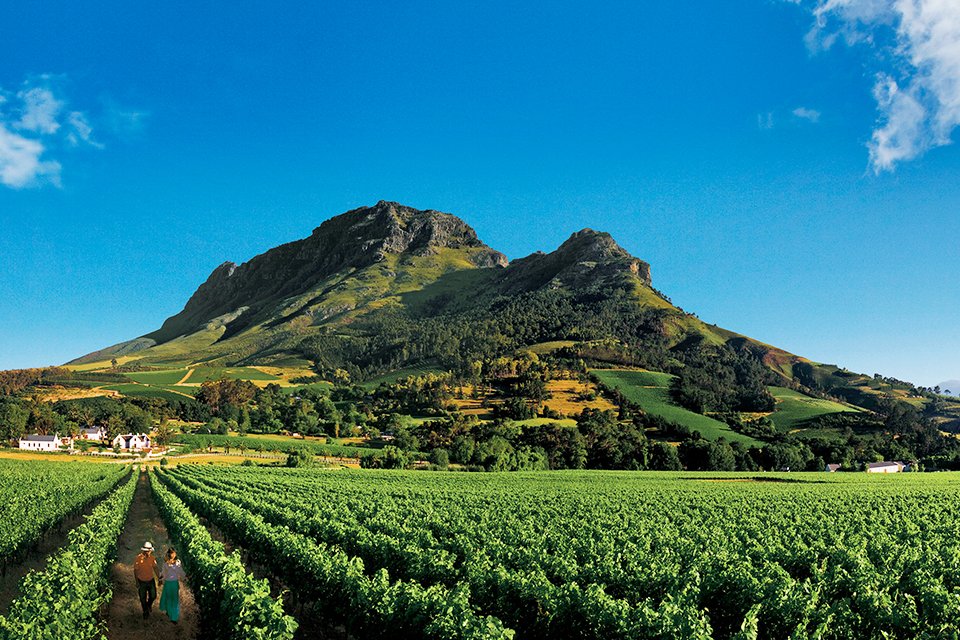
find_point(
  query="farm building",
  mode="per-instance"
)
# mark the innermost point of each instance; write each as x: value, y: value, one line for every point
x: 830, y: 468
x: 97, y: 433
x: 885, y: 467
x: 132, y: 441
x: 37, y: 442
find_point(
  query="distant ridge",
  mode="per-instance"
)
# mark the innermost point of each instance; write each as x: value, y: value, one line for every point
x: 950, y: 387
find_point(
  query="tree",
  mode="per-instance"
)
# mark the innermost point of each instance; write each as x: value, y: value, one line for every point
x: 42, y: 419
x: 440, y: 458
x: 114, y: 427
x: 299, y: 458
x: 244, y: 427
x: 164, y: 433
x: 389, y: 458
x: 663, y: 457
x: 13, y: 419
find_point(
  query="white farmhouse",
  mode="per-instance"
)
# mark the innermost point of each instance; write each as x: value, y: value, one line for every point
x: 37, y: 442
x: 132, y: 441
x: 98, y: 434
x: 884, y: 467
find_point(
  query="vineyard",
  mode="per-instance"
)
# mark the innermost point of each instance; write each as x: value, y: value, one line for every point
x: 377, y: 554
x: 61, y: 601
x: 35, y: 497
x: 596, y: 555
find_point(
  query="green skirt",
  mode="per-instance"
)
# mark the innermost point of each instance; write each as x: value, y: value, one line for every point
x: 170, y: 599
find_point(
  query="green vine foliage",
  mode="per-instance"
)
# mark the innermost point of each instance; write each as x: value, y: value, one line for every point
x: 61, y: 602
x: 236, y: 606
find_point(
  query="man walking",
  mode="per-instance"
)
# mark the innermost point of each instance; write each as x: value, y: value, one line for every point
x: 146, y: 572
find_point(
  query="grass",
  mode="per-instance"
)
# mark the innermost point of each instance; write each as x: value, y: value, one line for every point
x: 651, y: 390
x: 146, y: 391
x: 323, y: 385
x: 204, y: 374
x: 539, y: 422
x: 101, y: 364
x: 567, y: 397
x: 283, y: 444
x: 19, y: 454
x: 171, y: 376
x: 393, y: 376
x: 547, y: 347
x: 794, y: 409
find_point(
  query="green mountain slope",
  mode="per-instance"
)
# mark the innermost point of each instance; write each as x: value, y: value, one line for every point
x: 335, y: 297
x: 379, y: 289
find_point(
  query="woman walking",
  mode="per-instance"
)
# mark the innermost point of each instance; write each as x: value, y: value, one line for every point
x: 170, y: 576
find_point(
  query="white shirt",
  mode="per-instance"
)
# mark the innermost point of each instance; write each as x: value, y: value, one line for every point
x: 172, y: 571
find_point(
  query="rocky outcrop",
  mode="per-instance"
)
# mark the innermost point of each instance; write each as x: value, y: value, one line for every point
x: 352, y: 240
x: 587, y: 258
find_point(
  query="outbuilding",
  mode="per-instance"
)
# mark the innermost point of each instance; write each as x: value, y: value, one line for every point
x: 884, y: 467
x: 98, y: 434
x: 37, y: 442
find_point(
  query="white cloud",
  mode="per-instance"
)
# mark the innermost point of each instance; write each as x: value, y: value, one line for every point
x: 765, y: 121
x: 21, y: 164
x: 40, y: 110
x: 810, y: 115
x: 123, y: 121
x: 35, y: 124
x: 917, y: 53
x: 80, y: 130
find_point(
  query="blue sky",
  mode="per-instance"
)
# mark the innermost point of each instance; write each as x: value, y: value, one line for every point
x: 784, y: 166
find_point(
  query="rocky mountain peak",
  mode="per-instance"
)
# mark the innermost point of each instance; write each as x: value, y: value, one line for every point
x: 352, y: 240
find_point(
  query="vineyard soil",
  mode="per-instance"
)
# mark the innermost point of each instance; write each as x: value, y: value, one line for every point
x: 123, y: 617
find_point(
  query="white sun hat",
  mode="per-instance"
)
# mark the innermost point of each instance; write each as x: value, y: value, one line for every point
x: 147, y: 546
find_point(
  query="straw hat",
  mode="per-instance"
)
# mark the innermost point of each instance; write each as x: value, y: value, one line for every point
x: 147, y: 546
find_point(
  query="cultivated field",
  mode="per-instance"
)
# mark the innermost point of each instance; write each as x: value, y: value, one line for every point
x: 597, y: 554
x: 794, y: 409
x: 403, y: 554
x: 651, y: 390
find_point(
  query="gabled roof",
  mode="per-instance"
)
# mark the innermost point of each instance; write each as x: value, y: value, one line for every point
x: 38, y: 438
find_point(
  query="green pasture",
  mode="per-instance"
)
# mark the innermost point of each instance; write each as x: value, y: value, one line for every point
x: 170, y: 376
x: 795, y: 409
x: 651, y: 390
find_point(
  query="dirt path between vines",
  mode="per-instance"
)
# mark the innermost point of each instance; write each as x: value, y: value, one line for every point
x: 123, y: 617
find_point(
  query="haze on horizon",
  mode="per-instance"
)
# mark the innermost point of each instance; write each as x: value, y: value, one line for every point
x: 785, y: 167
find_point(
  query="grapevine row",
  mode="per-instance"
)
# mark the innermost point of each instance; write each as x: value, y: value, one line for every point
x: 371, y: 606
x: 60, y: 602
x: 525, y: 599
x: 642, y: 555
x: 37, y: 496
x: 236, y: 605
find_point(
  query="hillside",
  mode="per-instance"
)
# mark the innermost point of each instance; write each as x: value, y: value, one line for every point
x: 326, y: 299
x: 380, y: 293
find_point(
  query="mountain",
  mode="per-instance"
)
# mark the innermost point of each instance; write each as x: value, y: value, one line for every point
x: 335, y: 297
x: 950, y: 387
x: 389, y: 288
